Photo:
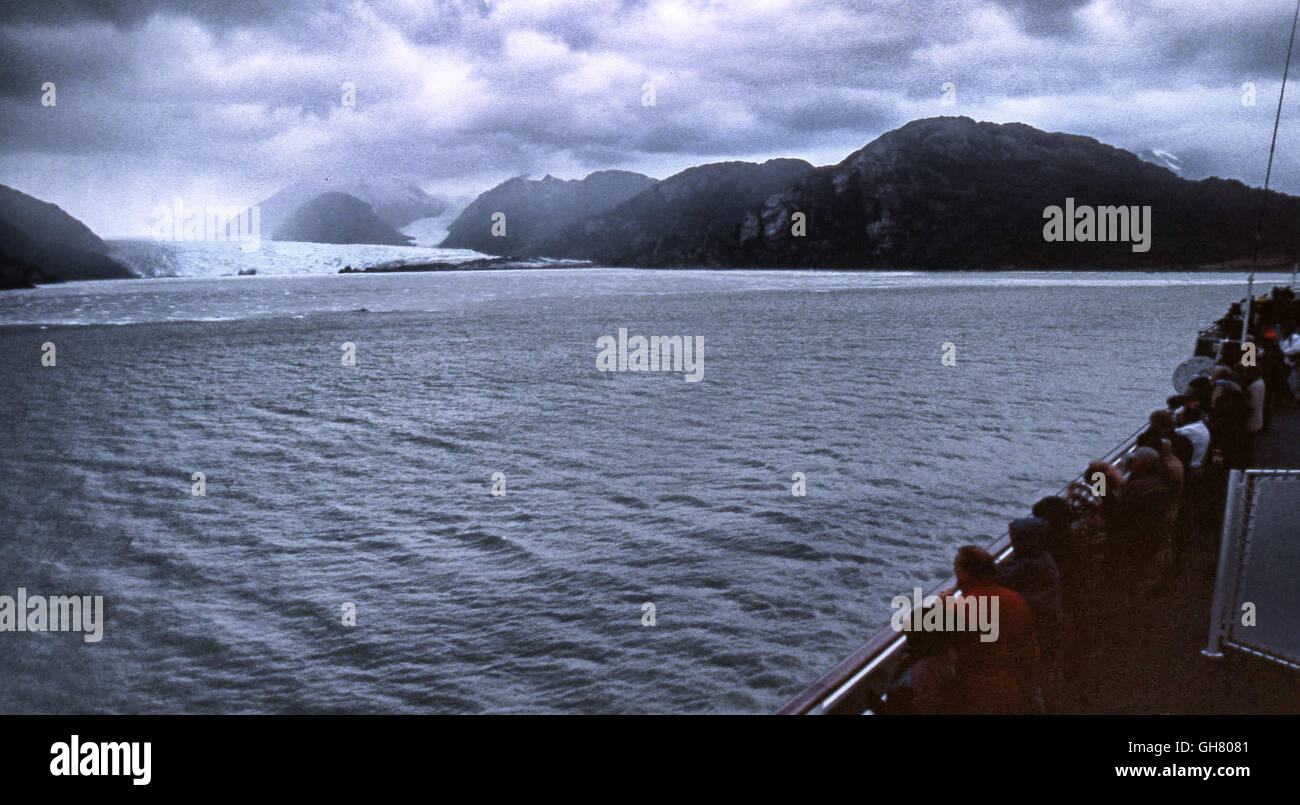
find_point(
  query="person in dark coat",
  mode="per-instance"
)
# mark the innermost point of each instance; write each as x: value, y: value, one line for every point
x: 1230, y: 324
x: 1161, y: 425
x: 1032, y: 572
x: 1201, y: 389
x: 929, y: 687
x: 1146, y: 510
x: 1057, y: 512
x: 1228, y: 419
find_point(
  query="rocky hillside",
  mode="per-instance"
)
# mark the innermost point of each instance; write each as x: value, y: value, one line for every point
x: 936, y: 193
x: 338, y: 218
x: 39, y: 242
x: 953, y: 193
x: 690, y: 218
x: 397, y: 202
x: 537, y: 209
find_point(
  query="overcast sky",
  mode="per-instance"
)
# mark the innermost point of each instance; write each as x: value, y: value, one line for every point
x: 224, y: 102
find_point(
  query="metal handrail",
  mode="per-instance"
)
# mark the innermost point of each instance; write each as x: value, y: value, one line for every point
x: 842, y: 689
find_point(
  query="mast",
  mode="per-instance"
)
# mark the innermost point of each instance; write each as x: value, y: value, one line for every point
x: 1268, y: 174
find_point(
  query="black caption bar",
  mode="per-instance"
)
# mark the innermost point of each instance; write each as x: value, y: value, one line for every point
x: 141, y: 754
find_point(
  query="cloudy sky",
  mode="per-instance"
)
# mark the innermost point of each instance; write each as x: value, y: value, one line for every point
x: 225, y: 101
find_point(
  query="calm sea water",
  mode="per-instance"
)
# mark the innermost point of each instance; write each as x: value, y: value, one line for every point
x: 371, y: 484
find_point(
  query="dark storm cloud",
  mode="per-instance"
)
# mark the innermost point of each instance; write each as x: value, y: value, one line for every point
x: 124, y: 13
x: 238, y: 98
x: 1047, y: 18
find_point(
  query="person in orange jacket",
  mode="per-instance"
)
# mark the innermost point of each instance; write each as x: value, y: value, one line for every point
x: 995, y: 662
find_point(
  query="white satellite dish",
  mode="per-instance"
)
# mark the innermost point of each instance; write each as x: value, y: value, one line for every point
x: 1199, y: 366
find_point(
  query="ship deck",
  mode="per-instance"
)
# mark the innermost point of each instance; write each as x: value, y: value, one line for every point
x: 1140, y: 651
x: 1129, y: 645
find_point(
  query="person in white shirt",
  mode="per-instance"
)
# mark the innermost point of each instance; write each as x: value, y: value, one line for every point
x: 1254, y: 400
x: 1197, y: 433
x: 1290, y: 346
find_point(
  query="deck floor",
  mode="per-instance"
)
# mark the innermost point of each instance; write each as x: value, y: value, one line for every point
x: 1138, y: 651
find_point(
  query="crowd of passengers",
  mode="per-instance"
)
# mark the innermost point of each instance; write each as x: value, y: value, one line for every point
x: 1148, y: 508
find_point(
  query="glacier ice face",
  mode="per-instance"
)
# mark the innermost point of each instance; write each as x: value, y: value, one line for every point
x: 150, y: 258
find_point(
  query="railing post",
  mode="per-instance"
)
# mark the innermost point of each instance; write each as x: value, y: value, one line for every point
x: 1231, y: 536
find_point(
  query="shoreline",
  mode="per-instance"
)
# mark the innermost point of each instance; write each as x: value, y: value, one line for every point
x: 1272, y: 265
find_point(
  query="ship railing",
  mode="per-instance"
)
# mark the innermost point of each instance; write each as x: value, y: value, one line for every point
x: 857, y: 684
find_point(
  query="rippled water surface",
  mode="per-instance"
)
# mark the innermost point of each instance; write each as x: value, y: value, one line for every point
x: 371, y: 484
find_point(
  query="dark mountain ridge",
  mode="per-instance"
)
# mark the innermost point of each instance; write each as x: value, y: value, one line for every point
x: 537, y: 209
x: 689, y: 218
x: 338, y: 218
x: 937, y: 193
x: 954, y: 193
x: 39, y: 242
x: 397, y: 201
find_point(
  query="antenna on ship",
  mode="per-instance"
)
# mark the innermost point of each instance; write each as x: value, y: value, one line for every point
x: 1268, y: 174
